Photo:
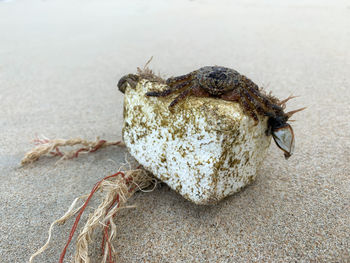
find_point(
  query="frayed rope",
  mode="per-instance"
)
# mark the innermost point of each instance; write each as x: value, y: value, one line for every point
x: 118, y: 188
x: 47, y: 146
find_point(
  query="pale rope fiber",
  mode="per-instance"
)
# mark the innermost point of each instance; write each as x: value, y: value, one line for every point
x: 116, y: 189
x: 45, y: 146
x: 139, y: 178
x: 70, y: 212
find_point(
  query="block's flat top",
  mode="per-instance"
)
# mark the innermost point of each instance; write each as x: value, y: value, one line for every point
x: 60, y: 63
x: 224, y: 115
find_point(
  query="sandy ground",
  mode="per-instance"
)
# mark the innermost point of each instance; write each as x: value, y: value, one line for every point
x: 59, y: 65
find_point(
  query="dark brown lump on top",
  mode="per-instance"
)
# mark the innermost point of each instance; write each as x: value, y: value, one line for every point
x: 133, y: 79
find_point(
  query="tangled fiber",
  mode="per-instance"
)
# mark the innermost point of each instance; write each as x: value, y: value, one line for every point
x: 116, y: 190
x: 46, y: 146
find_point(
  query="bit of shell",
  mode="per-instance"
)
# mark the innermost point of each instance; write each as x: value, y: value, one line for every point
x: 205, y: 148
x: 284, y: 138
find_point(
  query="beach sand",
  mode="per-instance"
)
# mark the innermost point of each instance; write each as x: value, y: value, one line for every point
x: 59, y: 65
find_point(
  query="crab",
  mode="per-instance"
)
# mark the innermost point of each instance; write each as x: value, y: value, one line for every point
x: 228, y: 84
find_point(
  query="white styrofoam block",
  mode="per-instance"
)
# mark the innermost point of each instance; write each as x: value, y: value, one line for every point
x: 204, y: 148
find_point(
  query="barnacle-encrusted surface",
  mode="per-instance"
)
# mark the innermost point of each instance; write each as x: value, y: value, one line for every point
x: 205, y: 148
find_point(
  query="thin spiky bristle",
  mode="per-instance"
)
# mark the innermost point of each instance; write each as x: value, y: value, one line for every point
x: 290, y: 113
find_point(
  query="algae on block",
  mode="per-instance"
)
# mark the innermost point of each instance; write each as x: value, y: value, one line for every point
x: 204, y: 148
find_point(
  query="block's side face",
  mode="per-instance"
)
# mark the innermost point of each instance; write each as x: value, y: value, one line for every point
x: 241, y: 157
x: 243, y: 147
x: 177, y: 147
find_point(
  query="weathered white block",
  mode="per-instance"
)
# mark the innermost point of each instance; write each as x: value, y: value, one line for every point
x: 205, y: 148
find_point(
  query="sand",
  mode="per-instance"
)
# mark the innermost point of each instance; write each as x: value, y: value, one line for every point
x: 59, y: 65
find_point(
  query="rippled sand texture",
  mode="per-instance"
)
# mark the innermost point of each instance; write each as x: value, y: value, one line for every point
x: 59, y: 65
